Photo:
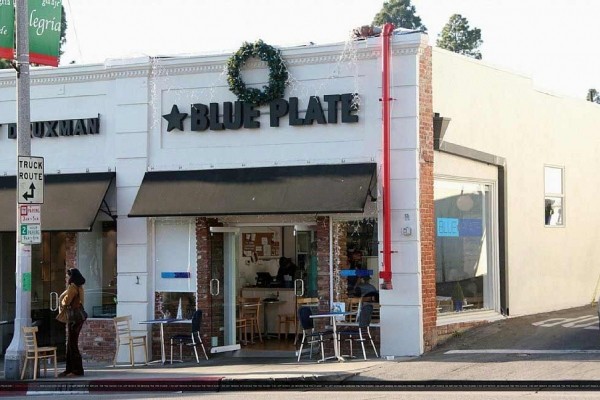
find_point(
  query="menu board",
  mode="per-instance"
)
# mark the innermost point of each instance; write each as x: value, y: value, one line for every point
x: 260, y: 244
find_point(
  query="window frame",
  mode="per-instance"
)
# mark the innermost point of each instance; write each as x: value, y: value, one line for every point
x: 491, y: 292
x: 560, y: 195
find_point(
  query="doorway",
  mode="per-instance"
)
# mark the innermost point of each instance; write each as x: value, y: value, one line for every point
x: 48, y: 269
x: 223, y: 289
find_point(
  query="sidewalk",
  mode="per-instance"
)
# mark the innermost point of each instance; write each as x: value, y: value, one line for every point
x: 219, y: 373
x: 439, y: 372
x: 515, y: 353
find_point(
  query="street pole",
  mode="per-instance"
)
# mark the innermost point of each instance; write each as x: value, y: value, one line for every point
x: 15, y: 353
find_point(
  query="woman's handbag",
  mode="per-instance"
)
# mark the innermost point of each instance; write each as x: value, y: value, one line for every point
x: 75, y: 315
x: 62, y: 315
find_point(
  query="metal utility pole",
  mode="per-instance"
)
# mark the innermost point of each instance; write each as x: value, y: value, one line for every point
x: 15, y: 353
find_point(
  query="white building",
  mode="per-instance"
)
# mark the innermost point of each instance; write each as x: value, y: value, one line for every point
x: 153, y: 210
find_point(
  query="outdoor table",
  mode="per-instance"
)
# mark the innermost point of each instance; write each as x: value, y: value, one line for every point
x: 162, y: 322
x: 333, y: 316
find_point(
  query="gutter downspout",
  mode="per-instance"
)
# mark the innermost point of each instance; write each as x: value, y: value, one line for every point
x: 331, y: 299
x: 386, y: 272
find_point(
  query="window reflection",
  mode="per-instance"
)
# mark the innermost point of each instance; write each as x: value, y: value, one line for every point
x: 462, y: 276
x: 97, y: 261
x: 176, y: 305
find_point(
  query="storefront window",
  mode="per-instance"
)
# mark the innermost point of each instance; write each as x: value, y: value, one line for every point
x: 463, y: 246
x: 553, y: 199
x: 97, y: 261
x: 175, y: 255
x: 362, y: 253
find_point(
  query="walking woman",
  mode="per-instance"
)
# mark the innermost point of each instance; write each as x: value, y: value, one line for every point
x: 72, y: 298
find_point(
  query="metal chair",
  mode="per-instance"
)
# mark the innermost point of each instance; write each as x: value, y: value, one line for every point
x: 356, y: 335
x: 124, y: 338
x: 193, y: 340
x: 303, y: 301
x: 309, y: 335
x: 35, y: 353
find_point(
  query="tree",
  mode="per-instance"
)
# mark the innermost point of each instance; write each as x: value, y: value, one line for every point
x: 456, y: 36
x: 593, y: 96
x: 63, y: 39
x: 400, y: 13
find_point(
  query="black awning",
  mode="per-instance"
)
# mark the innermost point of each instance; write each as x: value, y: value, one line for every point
x: 339, y: 188
x: 71, y: 201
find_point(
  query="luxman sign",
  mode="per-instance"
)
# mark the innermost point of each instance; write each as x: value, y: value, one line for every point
x: 239, y: 114
x: 58, y: 128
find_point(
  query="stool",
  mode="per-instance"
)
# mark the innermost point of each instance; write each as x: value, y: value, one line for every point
x: 285, y: 319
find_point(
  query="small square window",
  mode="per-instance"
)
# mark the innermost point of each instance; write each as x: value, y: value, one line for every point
x: 553, y: 196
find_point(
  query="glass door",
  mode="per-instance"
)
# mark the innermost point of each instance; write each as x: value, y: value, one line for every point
x: 48, y: 282
x: 223, y: 289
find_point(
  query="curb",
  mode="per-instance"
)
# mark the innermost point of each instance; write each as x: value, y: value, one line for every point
x: 221, y: 384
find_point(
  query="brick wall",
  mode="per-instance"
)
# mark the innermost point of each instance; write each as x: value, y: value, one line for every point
x: 204, y: 243
x: 445, y: 332
x: 426, y: 201
x: 340, y: 260
x: 322, y: 235
x: 97, y: 340
x: 70, y: 250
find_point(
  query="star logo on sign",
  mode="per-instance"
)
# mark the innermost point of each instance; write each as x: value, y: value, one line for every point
x: 175, y: 119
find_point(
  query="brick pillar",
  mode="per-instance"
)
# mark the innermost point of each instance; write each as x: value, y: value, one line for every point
x: 70, y: 250
x: 323, y: 245
x: 426, y: 200
x: 340, y: 260
x: 204, y: 301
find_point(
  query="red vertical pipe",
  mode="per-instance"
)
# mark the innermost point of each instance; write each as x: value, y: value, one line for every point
x: 386, y: 272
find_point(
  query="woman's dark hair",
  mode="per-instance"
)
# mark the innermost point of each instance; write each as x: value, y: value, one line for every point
x: 75, y: 276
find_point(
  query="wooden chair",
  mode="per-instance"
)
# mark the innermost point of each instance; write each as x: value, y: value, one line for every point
x: 35, y: 353
x: 376, y: 313
x: 250, y: 310
x: 286, y: 320
x: 124, y: 338
x: 353, y: 305
x: 241, y: 324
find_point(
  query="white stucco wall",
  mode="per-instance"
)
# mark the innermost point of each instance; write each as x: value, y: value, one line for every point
x: 132, y: 95
x: 501, y: 113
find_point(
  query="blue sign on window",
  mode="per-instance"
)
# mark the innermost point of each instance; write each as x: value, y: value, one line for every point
x: 175, y: 275
x: 470, y: 227
x: 447, y: 227
x: 455, y: 227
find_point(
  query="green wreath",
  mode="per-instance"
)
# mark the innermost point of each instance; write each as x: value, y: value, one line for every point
x: 278, y: 74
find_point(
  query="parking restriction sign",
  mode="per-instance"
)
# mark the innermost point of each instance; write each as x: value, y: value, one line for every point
x: 30, y: 223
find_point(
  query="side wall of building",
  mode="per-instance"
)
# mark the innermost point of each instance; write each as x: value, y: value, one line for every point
x: 501, y: 113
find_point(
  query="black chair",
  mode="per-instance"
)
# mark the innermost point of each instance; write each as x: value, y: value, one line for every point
x: 356, y: 334
x: 309, y: 335
x: 192, y: 340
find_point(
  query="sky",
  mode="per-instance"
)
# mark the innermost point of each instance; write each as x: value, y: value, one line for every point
x: 556, y: 42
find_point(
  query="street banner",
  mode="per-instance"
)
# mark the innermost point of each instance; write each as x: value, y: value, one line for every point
x: 44, y: 31
x: 7, y: 29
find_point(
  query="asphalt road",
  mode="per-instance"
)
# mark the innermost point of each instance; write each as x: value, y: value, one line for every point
x: 571, y: 329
